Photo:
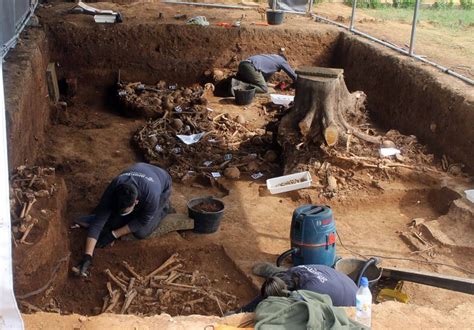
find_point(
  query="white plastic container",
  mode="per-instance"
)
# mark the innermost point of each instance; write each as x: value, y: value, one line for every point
x: 104, y: 18
x: 282, y: 184
x: 281, y: 99
x: 364, y: 303
x: 470, y: 195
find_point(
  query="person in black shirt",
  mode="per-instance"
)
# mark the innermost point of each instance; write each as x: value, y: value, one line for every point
x: 317, y: 278
x: 134, y: 202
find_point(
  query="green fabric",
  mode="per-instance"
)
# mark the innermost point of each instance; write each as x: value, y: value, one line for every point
x: 302, y: 310
x: 249, y: 75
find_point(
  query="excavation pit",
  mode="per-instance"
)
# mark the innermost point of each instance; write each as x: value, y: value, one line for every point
x: 90, y: 141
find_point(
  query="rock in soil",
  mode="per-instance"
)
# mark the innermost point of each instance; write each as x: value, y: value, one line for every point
x: 271, y: 156
x: 232, y: 173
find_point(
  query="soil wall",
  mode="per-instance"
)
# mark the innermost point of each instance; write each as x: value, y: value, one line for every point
x: 26, y: 97
x: 175, y: 52
x: 410, y: 97
x: 33, y: 263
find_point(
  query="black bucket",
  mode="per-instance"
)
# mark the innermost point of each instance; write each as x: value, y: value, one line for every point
x: 275, y: 17
x: 206, y: 222
x: 352, y: 267
x: 244, y: 96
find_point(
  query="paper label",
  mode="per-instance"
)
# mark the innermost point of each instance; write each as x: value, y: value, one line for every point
x: 257, y: 175
x: 190, y: 139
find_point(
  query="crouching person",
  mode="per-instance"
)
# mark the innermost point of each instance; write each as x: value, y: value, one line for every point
x: 316, y: 278
x: 134, y: 202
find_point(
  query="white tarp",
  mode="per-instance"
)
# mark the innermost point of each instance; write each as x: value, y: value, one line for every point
x: 10, y: 317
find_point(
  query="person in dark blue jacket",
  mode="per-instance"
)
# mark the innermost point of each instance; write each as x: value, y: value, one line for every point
x: 258, y: 69
x: 134, y: 202
x: 317, y: 278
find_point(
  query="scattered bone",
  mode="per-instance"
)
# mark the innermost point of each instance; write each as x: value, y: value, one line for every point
x: 167, y: 263
x: 27, y: 184
x: 130, y: 286
x: 172, y: 269
x: 113, y: 301
x: 132, y: 271
x: 128, y: 300
x: 27, y: 232
x: 115, y: 280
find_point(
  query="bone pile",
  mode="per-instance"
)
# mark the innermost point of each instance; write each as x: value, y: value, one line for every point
x: 167, y: 287
x: 227, y: 147
x: 28, y: 185
x: 152, y: 101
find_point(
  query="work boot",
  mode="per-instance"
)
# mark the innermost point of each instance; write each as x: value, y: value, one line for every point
x: 266, y: 269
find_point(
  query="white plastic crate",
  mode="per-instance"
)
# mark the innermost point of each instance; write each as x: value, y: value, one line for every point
x: 470, y: 195
x: 277, y: 185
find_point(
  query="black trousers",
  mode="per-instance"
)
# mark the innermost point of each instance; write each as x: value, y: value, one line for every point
x: 248, y: 74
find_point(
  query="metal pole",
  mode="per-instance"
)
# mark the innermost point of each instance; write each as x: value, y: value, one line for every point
x: 310, y: 7
x: 354, y: 5
x: 413, y: 28
x: 400, y: 50
x: 274, y: 5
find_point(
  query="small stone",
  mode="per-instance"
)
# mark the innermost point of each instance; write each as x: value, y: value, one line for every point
x: 252, y: 166
x: 271, y: 156
x: 232, y: 172
x: 388, y: 144
x: 400, y: 158
x: 455, y: 170
x: 148, y: 292
x: 218, y: 74
x: 433, y: 127
x: 317, y: 165
x: 177, y: 123
x: 240, y: 119
x: 82, y: 318
x: 187, y: 310
x: 332, y: 183
x: 168, y: 104
x: 153, y: 140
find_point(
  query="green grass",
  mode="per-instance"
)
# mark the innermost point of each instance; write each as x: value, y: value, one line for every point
x: 450, y: 18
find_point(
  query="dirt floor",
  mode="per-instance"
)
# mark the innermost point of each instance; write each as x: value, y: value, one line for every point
x: 255, y: 225
x: 390, y: 315
x: 92, y: 141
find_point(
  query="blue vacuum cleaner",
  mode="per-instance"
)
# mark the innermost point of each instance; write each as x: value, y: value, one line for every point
x: 313, y: 236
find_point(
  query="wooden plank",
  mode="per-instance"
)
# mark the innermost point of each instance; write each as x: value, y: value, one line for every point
x: 453, y: 283
x: 52, y: 81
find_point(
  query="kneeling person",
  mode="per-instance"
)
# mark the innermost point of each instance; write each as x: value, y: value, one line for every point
x: 317, y: 278
x: 134, y: 202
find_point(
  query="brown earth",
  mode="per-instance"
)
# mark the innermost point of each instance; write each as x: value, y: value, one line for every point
x: 94, y: 144
x: 389, y: 315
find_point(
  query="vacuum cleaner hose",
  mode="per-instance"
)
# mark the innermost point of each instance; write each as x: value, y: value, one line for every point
x: 286, y: 254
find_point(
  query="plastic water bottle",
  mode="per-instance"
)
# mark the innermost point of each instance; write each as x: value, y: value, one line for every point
x: 364, y: 303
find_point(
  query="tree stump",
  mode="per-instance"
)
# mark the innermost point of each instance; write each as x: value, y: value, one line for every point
x: 323, y: 109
